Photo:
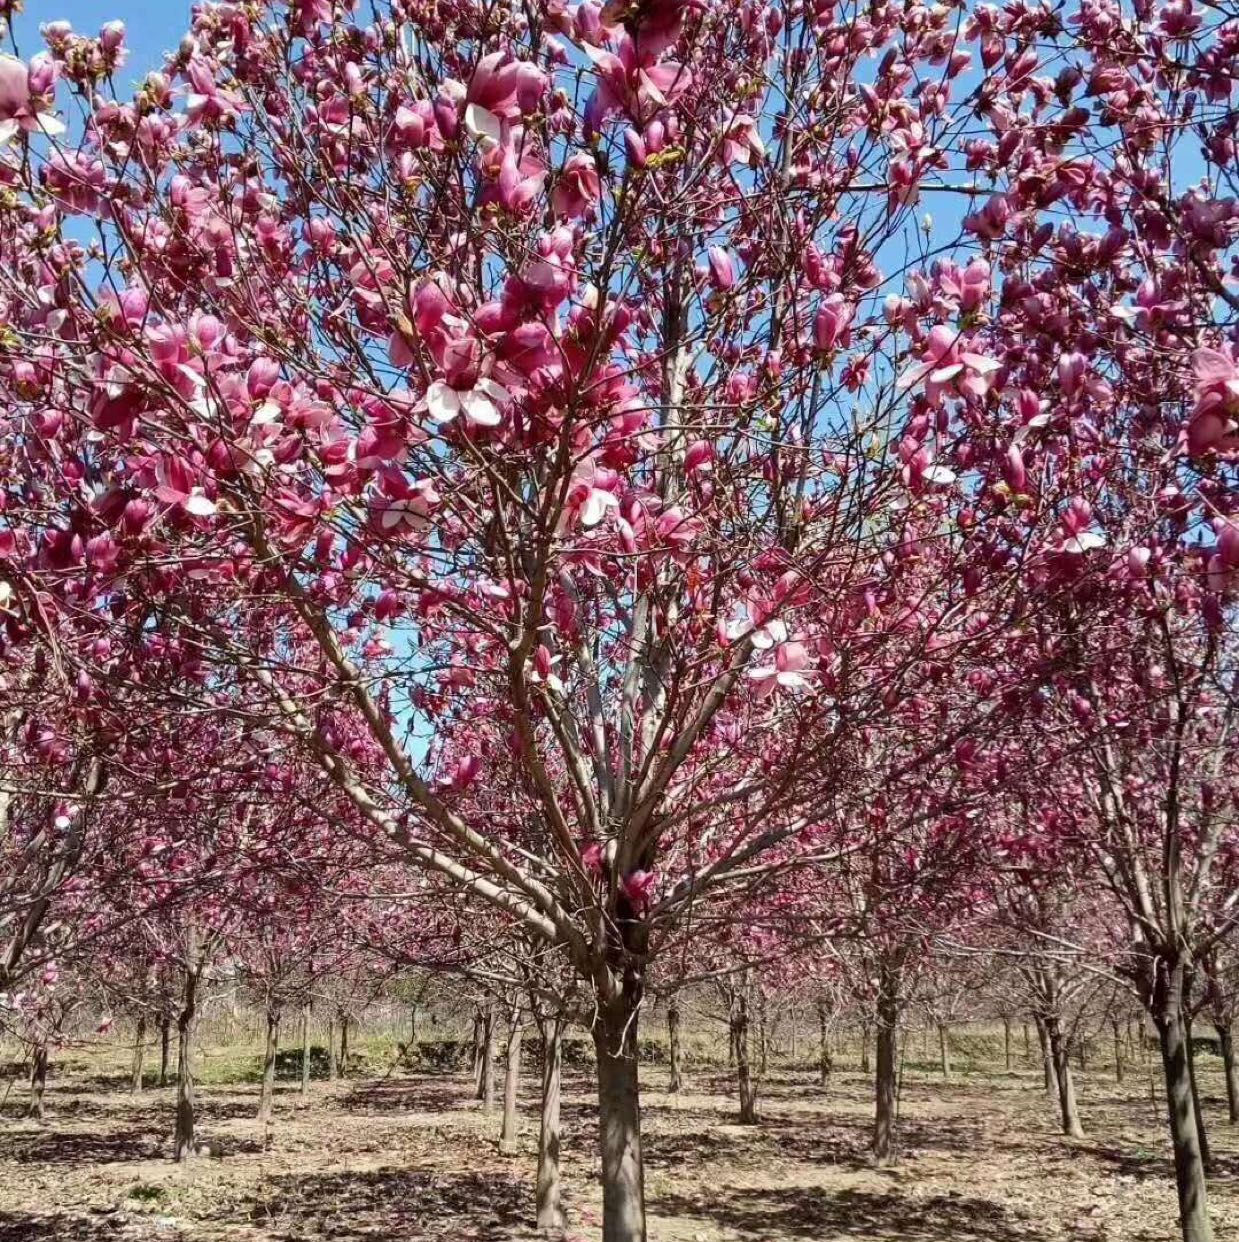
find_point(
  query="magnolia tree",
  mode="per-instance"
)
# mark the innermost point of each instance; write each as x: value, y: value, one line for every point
x: 514, y: 392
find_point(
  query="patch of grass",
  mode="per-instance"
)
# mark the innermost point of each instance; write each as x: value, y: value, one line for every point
x: 144, y: 1192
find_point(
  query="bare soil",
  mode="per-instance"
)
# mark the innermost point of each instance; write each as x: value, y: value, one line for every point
x: 413, y: 1157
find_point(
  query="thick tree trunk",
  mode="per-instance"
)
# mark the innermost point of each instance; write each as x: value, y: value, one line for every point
x: 38, y: 1080
x: 184, y: 1143
x: 744, y: 1074
x: 673, y: 1041
x: 549, y: 1194
x: 266, y: 1099
x: 944, y: 1050
x: 488, y: 1063
x: 824, y: 1064
x: 619, y: 1111
x: 139, y: 1056
x: 885, y: 1084
x: 305, y: 1049
x: 1118, y: 1051
x: 1206, y: 1154
x: 1189, y: 1166
x: 1227, y: 1042
x: 1006, y: 1043
x: 165, y: 1039
x: 511, y: 1084
x: 1069, y: 1114
x: 333, y: 1066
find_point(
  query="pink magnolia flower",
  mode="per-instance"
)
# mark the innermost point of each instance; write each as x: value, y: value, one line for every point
x: 1213, y: 422
x: 638, y: 887
x: 579, y: 187
x: 21, y: 108
x: 788, y: 672
x: 631, y: 85
x: 742, y: 143
x: 591, y: 494
x: 947, y: 365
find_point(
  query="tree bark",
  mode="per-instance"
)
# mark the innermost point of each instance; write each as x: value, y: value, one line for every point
x: 165, y: 1038
x: 511, y: 1084
x: 1227, y: 1042
x: 673, y: 1041
x: 1069, y: 1114
x: 183, y: 1146
x: 944, y: 1050
x: 139, y: 1056
x: 1206, y: 1154
x: 1167, y: 1014
x: 824, y: 1064
x: 1049, y: 1072
x: 267, y: 1098
x: 38, y: 1080
x: 488, y: 1063
x: 549, y: 1195
x: 885, y: 1093
x: 305, y: 1049
x: 619, y: 1110
x: 744, y: 1075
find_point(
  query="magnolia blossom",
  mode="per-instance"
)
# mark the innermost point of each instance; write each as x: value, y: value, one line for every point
x: 791, y: 659
x: 21, y: 108
x: 591, y: 494
x: 480, y: 404
x: 1214, y: 419
x: 948, y: 365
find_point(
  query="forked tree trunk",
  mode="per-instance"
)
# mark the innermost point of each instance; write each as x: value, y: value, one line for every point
x: 1006, y: 1043
x: 333, y: 1065
x: 1206, y: 1154
x: 673, y: 1041
x: 305, y: 1049
x: 549, y: 1193
x: 184, y: 1142
x: 1227, y: 1042
x: 266, y: 1100
x: 944, y: 1050
x: 1189, y: 1166
x: 824, y: 1064
x: 619, y: 1112
x: 511, y: 1084
x: 38, y: 1080
x: 885, y: 1084
x: 139, y: 1056
x: 1069, y: 1114
x: 1118, y: 1051
x: 744, y: 1074
x: 165, y: 1040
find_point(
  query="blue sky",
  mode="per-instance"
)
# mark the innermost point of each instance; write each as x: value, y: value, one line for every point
x: 153, y: 27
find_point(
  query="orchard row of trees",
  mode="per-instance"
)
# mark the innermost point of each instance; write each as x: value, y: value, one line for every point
x: 607, y: 495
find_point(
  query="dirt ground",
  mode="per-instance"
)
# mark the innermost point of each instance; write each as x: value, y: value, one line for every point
x: 412, y: 1157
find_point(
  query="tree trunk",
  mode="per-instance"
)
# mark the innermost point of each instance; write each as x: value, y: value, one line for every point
x: 511, y: 1083
x: 488, y: 1063
x: 139, y: 1056
x: 344, y: 1024
x: 38, y: 1080
x: 479, y: 1028
x: 1118, y: 1051
x: 1069, y: 1114
x: 1227, y: 1042
x: 549, y: 1195
x: 1189, y: 1167
x: 1206, y: 1155
x: 1047, y: 1059
x: 333, y: 1066
x: 619, y: 1112
x: 267, y: 1098
x: 305, y: 1049
x: 1006, y: 1042
x: 885, y: 1101
x: 183, y: 1146
x: 412, y: 1028
x: 165, y: 1038
x: 1027, y: 1044
x: 864, y: 1047
x: 823, y: 1045
x: 944, y: 1050
x: 673, y: 1040
x: 744, y: 1075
